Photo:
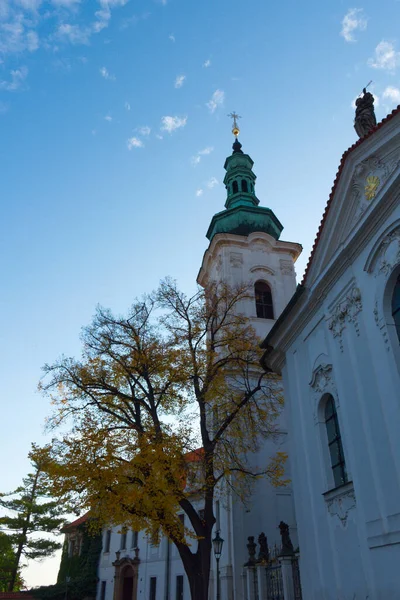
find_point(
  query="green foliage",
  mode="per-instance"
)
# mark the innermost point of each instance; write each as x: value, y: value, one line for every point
x: 7, y: 563
x: 81, y: 569
x: 85, y: 564
x: 29, y: 510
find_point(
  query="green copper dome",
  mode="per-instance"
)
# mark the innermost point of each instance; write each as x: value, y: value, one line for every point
x: 242, y: 215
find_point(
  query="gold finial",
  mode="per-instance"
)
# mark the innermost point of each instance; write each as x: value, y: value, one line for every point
x: 235, y: 128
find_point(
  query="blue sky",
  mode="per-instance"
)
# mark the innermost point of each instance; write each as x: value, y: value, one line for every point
x: 113, y: 136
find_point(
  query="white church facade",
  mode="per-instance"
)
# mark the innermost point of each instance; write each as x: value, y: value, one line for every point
x: 337, y: 346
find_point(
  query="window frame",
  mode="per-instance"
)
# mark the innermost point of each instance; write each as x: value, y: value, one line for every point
x: 335, y: 441
x: 266, y: 308
x: 107, y: 541
x: 153, y: 589
x: 179, y: 588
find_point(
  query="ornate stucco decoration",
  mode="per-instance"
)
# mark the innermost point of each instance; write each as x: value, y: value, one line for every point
x: 341, y: 504
x: 386, y: 254
x: 369, y: 177
x: 389, y: 253
x: 371, y: 185
x: 262, y: 269
x: 321, y: 378
x: 286, y: 267
x: 346, y: 311
x: 236, y: 259
x: 322, y: 382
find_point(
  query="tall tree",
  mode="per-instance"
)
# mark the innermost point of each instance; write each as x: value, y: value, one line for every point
x: 7, y: 564
x: 29, y: 511
x: 150, y: 388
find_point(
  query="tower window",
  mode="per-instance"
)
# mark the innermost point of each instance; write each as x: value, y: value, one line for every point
x: 245, y: 187
x: 335, y: 443
x: 235, y: 187
x: 396, y: 306
x: 264, y: 305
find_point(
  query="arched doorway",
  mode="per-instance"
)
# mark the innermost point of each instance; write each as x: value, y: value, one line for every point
x: 126, y: 578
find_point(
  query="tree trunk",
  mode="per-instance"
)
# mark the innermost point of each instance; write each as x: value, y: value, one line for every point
x: 22, y: 542
x: 197, y: 568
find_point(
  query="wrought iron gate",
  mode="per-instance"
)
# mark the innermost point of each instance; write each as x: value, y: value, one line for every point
x: 274, y: 583
x: 296, y: 579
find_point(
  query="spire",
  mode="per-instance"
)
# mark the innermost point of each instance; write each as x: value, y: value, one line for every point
x: 242, y: 215
x: 239, y: 179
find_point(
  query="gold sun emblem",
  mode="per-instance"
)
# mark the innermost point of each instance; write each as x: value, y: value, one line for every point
x: 372, y: 183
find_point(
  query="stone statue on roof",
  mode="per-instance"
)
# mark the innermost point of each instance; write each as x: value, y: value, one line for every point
x: 365, y: 118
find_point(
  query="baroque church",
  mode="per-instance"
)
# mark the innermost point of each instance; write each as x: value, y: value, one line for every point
x: 334, y: 531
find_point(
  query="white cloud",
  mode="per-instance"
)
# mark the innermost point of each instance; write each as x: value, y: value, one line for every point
x: 32, y: 41
x: 105, y: 73
x: 199, y: 192
x: 197, y: 158
x: 66, y: 3
x: 16, y: 81
x: 17, y: 35
x: 74, y: 33
x: 217, y: 99
x: 144, y: 130
x: 352, y: 21
x: 159, y: 137
x: 212, y: 182
x: 179, y: 81
x: 171, y: 123
x: 205, y: 151
x: 171, y: 37
x: 134, y: 142
x: 207, y: 63
x: 127, y: 106
x: 385, y: 57
x: 392, y: 94
x: 31, y: 5
x: 108, y: 118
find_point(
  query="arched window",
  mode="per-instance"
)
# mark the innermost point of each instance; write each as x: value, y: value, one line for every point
x: 396, y: 306
x: 335, y: 443
x: 264, y: 306
x: 244, y: 186
x: 235, y: 187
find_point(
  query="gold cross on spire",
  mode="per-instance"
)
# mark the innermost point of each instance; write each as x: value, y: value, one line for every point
x: 235, y: 128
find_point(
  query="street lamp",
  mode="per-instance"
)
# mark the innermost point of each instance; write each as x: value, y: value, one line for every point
x: 217, y: 545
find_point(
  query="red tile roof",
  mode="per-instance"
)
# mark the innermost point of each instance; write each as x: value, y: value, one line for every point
x: 195, y: 455
x: 75, y: 523
x: 335, y: 183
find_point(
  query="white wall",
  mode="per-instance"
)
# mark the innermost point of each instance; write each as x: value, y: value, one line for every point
x: 349, y: 537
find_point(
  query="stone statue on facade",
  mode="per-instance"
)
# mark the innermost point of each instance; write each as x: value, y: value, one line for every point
x: 365, y: 118
x: 263, y: 554
x: 287, y: 546
x: 251, y: 547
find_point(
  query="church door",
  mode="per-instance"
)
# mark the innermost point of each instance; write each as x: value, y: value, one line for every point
x: 127, y: 588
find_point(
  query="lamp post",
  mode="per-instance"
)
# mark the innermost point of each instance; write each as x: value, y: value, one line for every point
x: 218, y: 542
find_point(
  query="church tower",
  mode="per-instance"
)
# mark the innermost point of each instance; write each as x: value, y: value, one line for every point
x: 245, y: 246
